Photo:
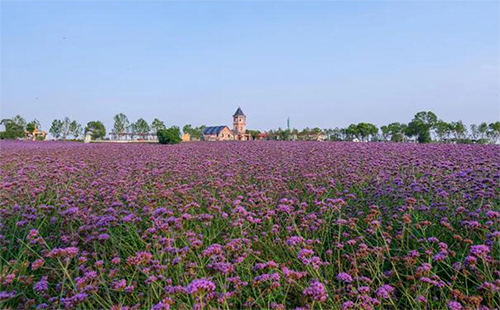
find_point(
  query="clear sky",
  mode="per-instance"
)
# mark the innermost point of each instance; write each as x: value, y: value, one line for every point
x: 323, y: 64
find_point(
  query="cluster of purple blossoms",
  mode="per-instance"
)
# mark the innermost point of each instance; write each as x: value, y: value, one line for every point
x: 480, y: 250
x: 200, y: 286
x: 42, y: 285
x: 385, y: 291
x: 344, y: 277
x: 454, y: 305
x: 317, y: 291
x: 63, y: 252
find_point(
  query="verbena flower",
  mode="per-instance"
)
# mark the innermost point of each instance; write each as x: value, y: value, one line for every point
x: 317, y: 291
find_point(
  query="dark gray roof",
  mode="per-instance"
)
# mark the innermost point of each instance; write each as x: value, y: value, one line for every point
x: 214, y: 130
x: 239, y: 112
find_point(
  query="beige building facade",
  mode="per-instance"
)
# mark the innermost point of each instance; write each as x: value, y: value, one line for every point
x: 224, y: 133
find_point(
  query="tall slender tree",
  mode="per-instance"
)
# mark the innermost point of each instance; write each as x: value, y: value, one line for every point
x: 56, y: 129
x: 75, y: 129
x: 157, y: 125
x: 121, y: 124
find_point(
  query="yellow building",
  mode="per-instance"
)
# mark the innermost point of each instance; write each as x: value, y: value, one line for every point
x: 35, y: 135
x: 186, y: 137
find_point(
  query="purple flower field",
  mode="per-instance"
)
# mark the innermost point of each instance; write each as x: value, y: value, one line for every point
x: 256, y: 225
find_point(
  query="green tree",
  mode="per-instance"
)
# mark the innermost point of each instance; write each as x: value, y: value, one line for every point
x: 132, y: 130
x: 75, y: 129
x: 338, y: 134
x: 253, y: 133
x: 171, y: 135
x: 396, y: 131
x: 385, y: 133
x: 142, y: 127
x: 366, y: 130
x: 459, y: 130
x: 194, y: 132
x: 19, y: 120
x: 14, y: 128
x: 421, y: 126
x: 443, y: 130
x: 474, y: 132
x: 96, y: 130
x: 157, y: 125
x: 188, y: 128
x: 121, y: 123
x: 352, y: 132
x: 483, y: 130
x: 56, y: 128
x: 494, y: 131
x: 33, y: 125
x: 65, y: 128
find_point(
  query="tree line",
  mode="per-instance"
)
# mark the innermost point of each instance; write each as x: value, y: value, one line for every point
x: 425, y: 127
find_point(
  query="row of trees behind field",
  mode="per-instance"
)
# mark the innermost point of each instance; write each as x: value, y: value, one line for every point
x: 425, y: 127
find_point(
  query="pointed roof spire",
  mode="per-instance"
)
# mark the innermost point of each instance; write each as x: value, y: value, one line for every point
x: 239, y: 112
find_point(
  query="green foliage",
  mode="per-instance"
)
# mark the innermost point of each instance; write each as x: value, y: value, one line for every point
x: 141, y: 126
x: 494, y: 131
x: 396, y: 131
x: 459, y: 130
x: 421, y: 126
x: 121, y: 123
x: 253, y: 133
x: 194, y: 132
x: 157, y: 125
x: 365, y: 130
x: 443, y: 130
x: 33, y: 125
x: 19, y: 120
x: 96, y: 130
x: 56, y: 128
x: 75, y: 129
x: 171, y: 135
x: 424, y: 137
x: 14, y: 128
x: 65, y: 128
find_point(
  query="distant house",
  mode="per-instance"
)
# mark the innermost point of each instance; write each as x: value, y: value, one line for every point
x: 263, y: 136
x: 217, y: 133
x: 186, y: 137
x: 35, y: 135
x: 224, y: 133
x: 317, y: 136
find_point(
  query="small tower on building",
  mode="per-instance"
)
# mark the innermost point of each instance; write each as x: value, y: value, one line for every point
x: 239, y: 122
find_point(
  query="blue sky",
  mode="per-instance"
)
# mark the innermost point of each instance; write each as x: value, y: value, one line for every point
x: 322, y: 64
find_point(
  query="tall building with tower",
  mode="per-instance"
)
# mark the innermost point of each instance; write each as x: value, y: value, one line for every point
x: 224, y: 133
x: 239, y: 122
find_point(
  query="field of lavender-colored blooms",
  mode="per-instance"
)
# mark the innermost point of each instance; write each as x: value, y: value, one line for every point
x: 256, y: 225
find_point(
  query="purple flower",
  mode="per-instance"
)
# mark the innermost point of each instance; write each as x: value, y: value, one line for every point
x: 200, y: 286
x: 316, y: 290
x: 454, y: 305
x: 103, y: 237
x: 163, y: 305
x: 120, y: 284
x: 42, y: 285
x: 384, y: 291
x: 480, y: 250
x: 224, y: 268
x: 7, y: 295
x: 345, y: 277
